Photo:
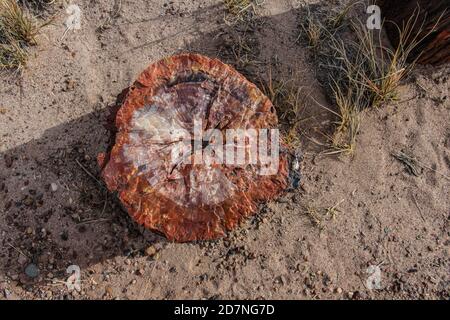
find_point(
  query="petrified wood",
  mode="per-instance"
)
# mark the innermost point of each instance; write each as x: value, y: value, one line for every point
x: 189, y: 200
x: 431, y: 14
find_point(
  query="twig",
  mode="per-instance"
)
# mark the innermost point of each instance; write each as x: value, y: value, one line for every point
x: 89, y: 174
x: 104, y: 206
x: 19, y: 251
x: 418, y: 208
x: 94, y: 221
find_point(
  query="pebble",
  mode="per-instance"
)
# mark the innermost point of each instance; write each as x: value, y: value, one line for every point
x: 32, y: 270
x: 22, y: 259
x: 28, y: 201
x: 140, y: 272
x: 150, y: 251
x: 54, y: 187
x: 109, y: 290
x: 338, y: 290
x: 7, y: 294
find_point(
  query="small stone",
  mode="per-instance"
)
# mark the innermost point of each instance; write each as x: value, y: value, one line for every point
x: 53, y: 187
x: 7, y: 294
x: 28, y: 201
x: 134, y: 281
x: 150, y: 251
x: 32, y: 270
x: 64, y: 235
x: 29, y: 230
x: 140, y: 272
x: 338, y: 290
x: 22, y: 259
x: 350, y: 295
x: 8, y: 160
x: 109, y: 290
x: 70, y: 84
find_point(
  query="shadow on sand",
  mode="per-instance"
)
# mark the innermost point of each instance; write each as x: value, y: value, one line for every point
x: 56, y: 211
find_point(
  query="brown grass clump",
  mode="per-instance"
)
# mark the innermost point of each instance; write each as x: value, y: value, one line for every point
x: 19, y: 29
x: 361, y: 71
x: 240, y: 10
x: 290, y: 101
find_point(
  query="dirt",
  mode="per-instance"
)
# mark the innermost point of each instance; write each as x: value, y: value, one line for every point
x: 350, y: 213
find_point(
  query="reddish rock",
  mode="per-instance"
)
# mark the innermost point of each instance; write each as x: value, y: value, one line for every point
x: 431, y: 14
x: 189, y: 200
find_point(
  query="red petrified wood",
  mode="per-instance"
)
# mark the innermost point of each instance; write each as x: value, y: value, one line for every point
x: 431, y: 17
x: 190, y: 200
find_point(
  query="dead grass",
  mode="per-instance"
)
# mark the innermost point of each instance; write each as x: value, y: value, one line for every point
x: 289, y: 99
x: 19, y: 29
x: 319, y: 216
x: 12, y: 56
x: 312, y: 28
x: 37, y: 5
x: 361, y: 71
x: 239, y: 10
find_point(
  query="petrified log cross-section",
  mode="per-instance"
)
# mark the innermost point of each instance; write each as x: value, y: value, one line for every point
x: 169, y: 120
x: 432, y: 16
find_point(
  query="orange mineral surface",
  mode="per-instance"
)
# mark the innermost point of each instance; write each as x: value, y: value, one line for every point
x: 181, y: 130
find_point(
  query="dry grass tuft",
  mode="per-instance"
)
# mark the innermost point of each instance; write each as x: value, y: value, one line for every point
x: 12, y: 56
x: 290, y: 101
x: 361, y: 71
x: 312, y: 28
x: 37, y: 5
x: 240, y: 10
x: 18, y: 30
x: 319, y: 216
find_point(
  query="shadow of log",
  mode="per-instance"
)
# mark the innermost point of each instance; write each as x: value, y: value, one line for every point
x: 63, y: 214
x: 55, y: 209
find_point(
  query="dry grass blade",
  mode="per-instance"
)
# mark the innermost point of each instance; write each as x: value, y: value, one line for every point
x: 337, y: 19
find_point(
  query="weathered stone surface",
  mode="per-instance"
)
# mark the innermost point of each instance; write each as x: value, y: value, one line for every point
x: 186, y: 201
x: 435, y: 48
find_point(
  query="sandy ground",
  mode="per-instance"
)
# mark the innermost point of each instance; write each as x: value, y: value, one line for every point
x: 52, y: 126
